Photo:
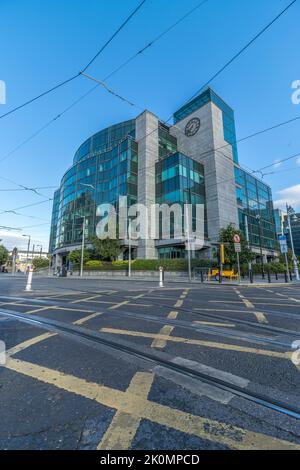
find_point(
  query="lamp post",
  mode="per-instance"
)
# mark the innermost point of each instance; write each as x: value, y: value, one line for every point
x: 248, y: 243
x: 258, y: 218
x: 129, y: 248
x: 83, y: 231
x: 295, y: 262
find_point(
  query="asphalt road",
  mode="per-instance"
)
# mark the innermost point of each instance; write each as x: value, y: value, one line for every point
x: 94, y: 364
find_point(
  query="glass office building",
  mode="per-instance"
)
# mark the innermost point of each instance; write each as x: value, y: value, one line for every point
x: 295, y: 225
x: 256, y: 214
x: 150, y: 162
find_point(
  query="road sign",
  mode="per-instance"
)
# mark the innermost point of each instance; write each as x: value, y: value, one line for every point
x: 237, y: 238
x: 282, y: 238
x: 284, y: 249
x: 237, y: 247
x: 283, y: 244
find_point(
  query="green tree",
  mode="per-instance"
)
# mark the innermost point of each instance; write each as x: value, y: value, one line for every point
x: 40, y: 263
x: 226, y: 237
x: 3, y: 255
x: 106, y: 250
x: 75, y: 256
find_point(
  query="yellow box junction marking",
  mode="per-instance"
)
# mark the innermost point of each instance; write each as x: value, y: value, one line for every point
x: 165, y: 331
x: 135, y: 404
x: 196, y: 342
x: 123, y: 428
x: 259, y: 315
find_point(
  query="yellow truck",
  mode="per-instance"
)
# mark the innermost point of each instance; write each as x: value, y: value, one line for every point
x: 227, y: 274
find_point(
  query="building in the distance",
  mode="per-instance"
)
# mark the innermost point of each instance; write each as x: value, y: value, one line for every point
x: 279, y: 217
x: 295, y: 226
x: 194, y: 161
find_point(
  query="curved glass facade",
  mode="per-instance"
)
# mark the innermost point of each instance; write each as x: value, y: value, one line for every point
x: 105, y: 167
x: 105, y: 140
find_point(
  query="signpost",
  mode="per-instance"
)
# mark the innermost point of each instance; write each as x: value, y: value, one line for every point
x: 284, y: 250
x: 238, y: 250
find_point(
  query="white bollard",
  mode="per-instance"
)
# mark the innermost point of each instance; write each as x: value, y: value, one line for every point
x: 161, y: 277
x: 28, y: 287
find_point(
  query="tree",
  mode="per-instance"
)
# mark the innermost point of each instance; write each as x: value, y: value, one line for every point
x: 3, y: 255
x: 226, y: 237
x: 75, y: 256
x: 106, y: 250
x: 40, y: 263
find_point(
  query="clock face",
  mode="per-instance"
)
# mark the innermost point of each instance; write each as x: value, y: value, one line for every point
x: 192, y: 127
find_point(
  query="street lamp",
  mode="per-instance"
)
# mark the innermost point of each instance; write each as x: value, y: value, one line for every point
x: 28, y: 246
x: 290, y: 211
x: 258, y: 218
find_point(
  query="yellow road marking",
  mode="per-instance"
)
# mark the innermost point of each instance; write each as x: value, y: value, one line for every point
x: 37, y: 339
x: 85, y: 319
x: 87, y: 299
x: 41, y: 309
x: 28, y: 343
x: 138, y: 296
x: 114, y: 307
x: 178, y: 303
x: 141, y: 408
x: 261, y: 318
x: 196, y: 342
x: 226, y: 325
x: 124, y: 426
x: 58, y: 295
x: 166, y: 331
x: 173, y: 315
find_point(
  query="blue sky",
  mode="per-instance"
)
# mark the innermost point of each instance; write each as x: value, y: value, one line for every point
x: 43, y: 42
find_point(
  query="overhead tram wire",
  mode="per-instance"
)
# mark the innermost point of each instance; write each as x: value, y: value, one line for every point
x: 277, y: 162
x: 240, y: 140
x: 26, y: 188
x: 65, y: 82
x: 139, y: 52
x: 241, y: 51
x: 155, y: 40
x: 113, y: 36
x: 224, y: 67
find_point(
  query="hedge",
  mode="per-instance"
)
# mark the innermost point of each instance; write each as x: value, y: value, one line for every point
x: 145, y: 265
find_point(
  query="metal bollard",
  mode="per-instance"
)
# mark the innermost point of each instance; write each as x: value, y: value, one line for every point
x: 202, y: 277
x: 286, y: 277
x: 269, y: 277
x: 251, y: 276
x: 161, y: 277
x: 28, y: 287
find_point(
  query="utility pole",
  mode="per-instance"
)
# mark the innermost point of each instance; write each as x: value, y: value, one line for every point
x: 129, y: 248
x: 82, y: 247
x: 188, y: 240
x: 248, y: 243
x: 295, y: 262
x: 258, y: 218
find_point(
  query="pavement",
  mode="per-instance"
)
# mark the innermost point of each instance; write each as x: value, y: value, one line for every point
x: 103, y: 364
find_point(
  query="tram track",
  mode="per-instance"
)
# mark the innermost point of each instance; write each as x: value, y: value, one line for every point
x: 211, y: 330
x: 154, y: 358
